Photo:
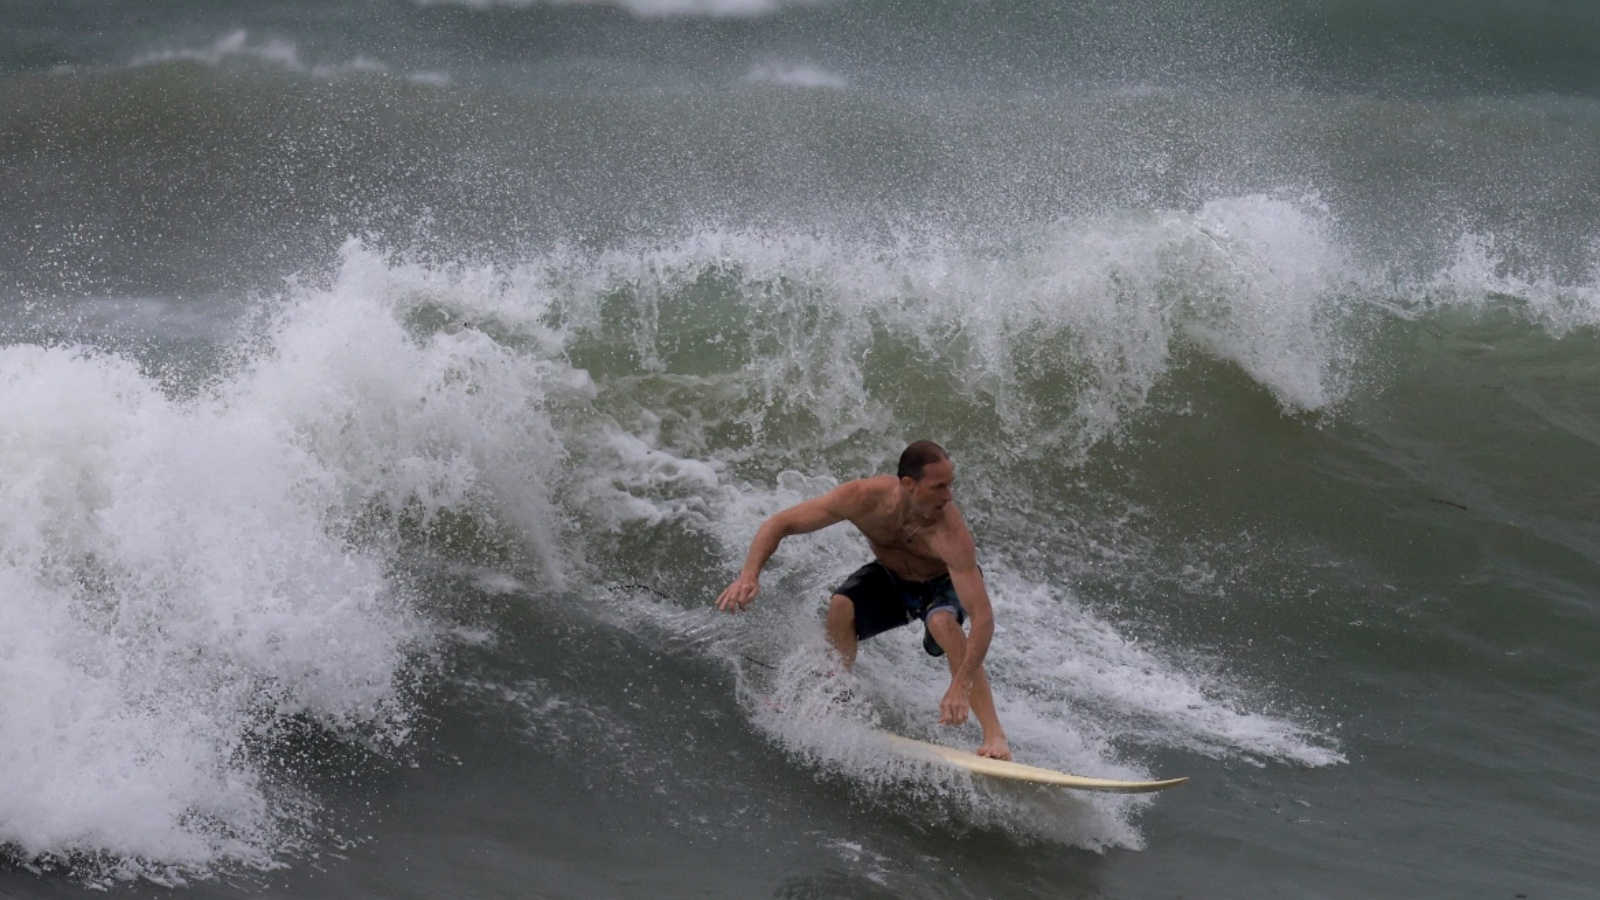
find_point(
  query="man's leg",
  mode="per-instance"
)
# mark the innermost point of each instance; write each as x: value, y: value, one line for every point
x: 952, y: 640
x: 841, y: 627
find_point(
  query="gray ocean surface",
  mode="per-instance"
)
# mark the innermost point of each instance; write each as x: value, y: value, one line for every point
x: 387, y: 389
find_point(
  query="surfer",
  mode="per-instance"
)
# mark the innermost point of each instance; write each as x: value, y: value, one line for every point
x: 926, y: 568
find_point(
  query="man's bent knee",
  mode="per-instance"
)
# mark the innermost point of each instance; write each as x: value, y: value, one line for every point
x: 841, y: 621
x: 842, y: 608
x: 945, y: 628
x: 841, y: 628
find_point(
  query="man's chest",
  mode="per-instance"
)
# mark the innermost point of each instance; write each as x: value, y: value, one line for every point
x: 893, y: 536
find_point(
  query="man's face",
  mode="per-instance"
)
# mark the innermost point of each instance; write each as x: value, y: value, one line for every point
x: 931, y: 492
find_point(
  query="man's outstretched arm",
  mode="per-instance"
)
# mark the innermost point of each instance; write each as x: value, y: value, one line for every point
x: 803, y: 518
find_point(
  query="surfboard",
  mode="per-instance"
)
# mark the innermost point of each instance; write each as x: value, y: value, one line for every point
x: 1012, y: 771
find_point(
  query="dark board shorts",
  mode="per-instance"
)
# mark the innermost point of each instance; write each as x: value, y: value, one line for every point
x: 883, y: 601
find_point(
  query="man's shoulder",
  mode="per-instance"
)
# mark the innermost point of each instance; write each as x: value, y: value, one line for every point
x: 952, y: 524
x: 876, y: 484
x: 867, y: 491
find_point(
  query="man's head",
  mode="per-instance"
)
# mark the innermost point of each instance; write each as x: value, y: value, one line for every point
x: 926, y: 474
x: 917, y: 456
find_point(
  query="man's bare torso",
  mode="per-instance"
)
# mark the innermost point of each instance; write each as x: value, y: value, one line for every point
x: 904, y: 547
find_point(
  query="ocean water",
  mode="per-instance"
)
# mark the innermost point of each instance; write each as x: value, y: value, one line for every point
x: 387, y: 389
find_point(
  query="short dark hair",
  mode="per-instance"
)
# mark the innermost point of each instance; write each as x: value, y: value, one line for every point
x: 918, y: 456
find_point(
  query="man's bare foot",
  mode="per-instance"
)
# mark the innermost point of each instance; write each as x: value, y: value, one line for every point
x: 995, y: 748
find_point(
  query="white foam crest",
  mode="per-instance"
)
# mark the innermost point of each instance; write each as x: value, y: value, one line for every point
x: 1102, y: 301
x: 1272, y: 296
x: 649, y: 9
x: 812, y: 339
x: 273, y: 51
x: 1255, y: 280
x: 418, y: 418
x: 795, y: 74
x: 1479, y: 276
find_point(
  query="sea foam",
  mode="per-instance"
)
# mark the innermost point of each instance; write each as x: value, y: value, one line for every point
x: 182, y: 575
x: 171, y: 589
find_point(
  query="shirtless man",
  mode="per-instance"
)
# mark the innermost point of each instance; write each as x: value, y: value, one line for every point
x: 926, y: 568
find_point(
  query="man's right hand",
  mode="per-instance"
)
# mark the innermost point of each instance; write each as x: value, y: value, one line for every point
x: 739, y: 594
